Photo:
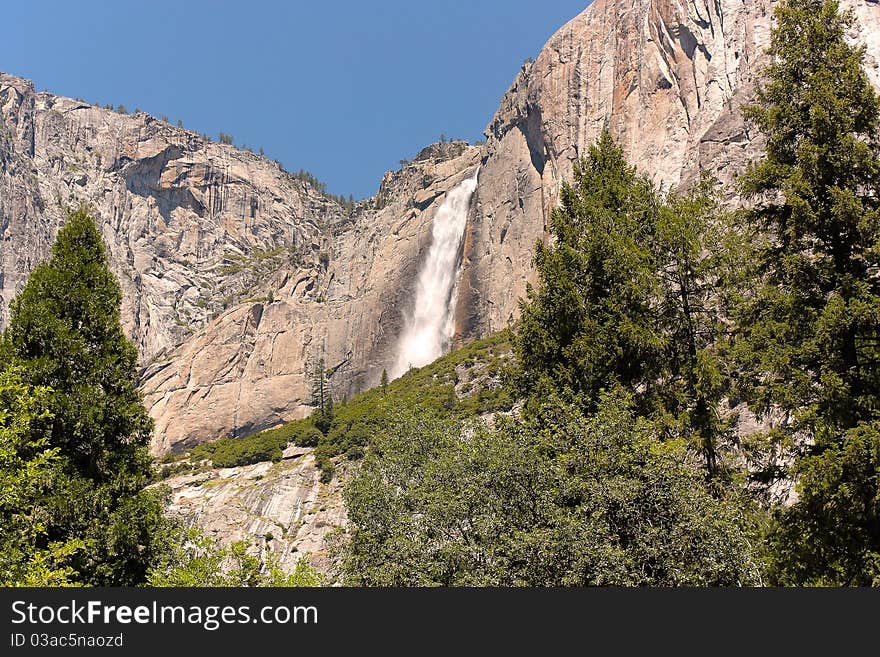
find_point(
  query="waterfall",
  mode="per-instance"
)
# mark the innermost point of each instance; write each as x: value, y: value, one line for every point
x: 428, y: 330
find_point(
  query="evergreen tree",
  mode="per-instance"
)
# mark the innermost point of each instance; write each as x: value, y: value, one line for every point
x: 809, y: 334
x: 633, y: 292
x: 65, y: 334
x: 322, y: 399
x: 808, y: 339
x: 590, y: 323
x: 698, y: 261
x: 384, y: 381
x: 319, y: 387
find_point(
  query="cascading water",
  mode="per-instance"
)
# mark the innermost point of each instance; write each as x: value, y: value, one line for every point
x: 428, y: 331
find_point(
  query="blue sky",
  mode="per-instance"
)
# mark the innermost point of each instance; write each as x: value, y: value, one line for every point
x: 343, y: 89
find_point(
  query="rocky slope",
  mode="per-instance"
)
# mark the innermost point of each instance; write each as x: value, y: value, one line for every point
x: 190, y: 224
x: 282, y: 506
x: 238, y: 277
x: 250, y: 368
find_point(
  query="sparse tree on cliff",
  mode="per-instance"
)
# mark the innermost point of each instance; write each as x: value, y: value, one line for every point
x: 322, y: 399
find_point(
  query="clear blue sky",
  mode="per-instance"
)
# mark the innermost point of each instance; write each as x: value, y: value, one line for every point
x: 343, y: 89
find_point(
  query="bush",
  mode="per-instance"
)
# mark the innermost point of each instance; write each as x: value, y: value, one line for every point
x: 305, y: 434
x: 234, y: 452
x: 245, y: 451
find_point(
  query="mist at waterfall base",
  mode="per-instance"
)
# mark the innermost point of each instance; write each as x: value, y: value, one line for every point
x: 428, y: 331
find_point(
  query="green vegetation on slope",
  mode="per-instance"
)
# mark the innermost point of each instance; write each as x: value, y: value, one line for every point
x: 558, y: 499
x: 198, y: 561
x: 479, y: 368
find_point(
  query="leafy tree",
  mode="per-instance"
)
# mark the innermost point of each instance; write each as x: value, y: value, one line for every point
x: 199, y: 561
x: 809, y: 339
x: 65, y: 334
x: 26, y: 470
x: 558, y: 499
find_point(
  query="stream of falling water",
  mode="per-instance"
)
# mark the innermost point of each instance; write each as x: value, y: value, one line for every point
x: 428, y: 330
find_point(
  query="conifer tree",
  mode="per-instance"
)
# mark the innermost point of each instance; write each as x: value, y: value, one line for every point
x: 322, y: 399
x: 319, y: 387
x: 809, y: 334
x: 589, y: 323
x: 632, y: 292
x: 698, y: 258
x: 808, y: 339
x: 65, y: 335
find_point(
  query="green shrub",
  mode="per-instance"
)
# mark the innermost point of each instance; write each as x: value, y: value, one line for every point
x: 305, y: 434
x: 233, y: 452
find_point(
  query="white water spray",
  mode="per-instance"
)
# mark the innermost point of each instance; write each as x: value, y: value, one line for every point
x: 428, y: 331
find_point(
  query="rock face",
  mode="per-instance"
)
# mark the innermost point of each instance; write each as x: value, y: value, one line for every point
x: 238, y: 277
x: 190, y: 225
x: 666, y: 77
x: 284, y: 506
x: 250, y: 368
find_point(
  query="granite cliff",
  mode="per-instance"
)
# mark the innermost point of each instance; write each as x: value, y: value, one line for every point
x: 238, y: 277
x: 667, y: 78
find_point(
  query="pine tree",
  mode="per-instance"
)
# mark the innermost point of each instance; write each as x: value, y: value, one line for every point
x: 810, y: 333
x: 808, y: 342
x: 589, y: 323
x: 322, y: 399
x: 698, y: 257
x: 319, y: 387
x: 384, y: 381
x: 65, y: 334
x: 633, y: 292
